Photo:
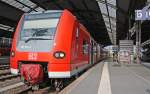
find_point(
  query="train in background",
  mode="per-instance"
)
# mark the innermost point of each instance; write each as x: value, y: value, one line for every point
x: 145, y: 53
x: 5, y: 46
x: 52, y: 46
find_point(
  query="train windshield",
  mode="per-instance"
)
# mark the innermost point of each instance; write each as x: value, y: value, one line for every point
x: 37, y: 31
x: 44, y: 28
x: 39, y: 26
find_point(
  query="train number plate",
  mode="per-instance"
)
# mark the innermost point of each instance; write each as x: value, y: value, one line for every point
x: 32, y: 56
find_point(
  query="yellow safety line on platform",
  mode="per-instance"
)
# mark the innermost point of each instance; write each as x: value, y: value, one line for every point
x: 105, y: 86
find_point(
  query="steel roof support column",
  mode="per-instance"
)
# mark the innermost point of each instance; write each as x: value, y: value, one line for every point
x: 138, y: 41
x: 128, y: 33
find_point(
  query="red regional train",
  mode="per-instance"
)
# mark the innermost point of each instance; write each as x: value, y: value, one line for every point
x: 51, y: 44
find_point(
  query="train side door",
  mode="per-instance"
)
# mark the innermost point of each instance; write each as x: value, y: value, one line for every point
x: 92, y: 53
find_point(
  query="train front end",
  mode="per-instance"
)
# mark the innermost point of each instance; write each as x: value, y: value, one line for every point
x: 34, y: 47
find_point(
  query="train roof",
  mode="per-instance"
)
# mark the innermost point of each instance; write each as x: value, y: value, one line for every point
x: 47, y: 11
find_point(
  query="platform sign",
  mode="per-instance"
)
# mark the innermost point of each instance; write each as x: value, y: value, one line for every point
x: 143, y: 14
x: 126, y: 45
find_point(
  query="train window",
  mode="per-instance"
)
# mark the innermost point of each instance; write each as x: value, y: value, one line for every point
x: 94, y: 48
x: 77, y: 37
x: 77, y: 32
x: 85, y: 47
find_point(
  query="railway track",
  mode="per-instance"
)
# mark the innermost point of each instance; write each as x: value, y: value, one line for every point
x: 14, y: 88
x: 42, y: 90
x: 6, y: 72
x: 45, y: 90
x: 6, y: 79
x: 7, y: 76
x: 4, y: 63
x: 11, y: 84
x: 21, y: 88
x: 4, y: 66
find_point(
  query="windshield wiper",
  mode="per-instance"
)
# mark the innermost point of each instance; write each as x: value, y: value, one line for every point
x: 36, y: 39
x: 39, y: 32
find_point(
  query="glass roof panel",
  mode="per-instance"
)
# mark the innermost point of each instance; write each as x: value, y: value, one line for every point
x: 114, y: 29
x: 102, y: 8
x: 17, y: 5
x: 113, y: 22
x: 109, y: 19
x: 106, y: 19
x: 107, y: 25
x: 108, y: 29
x: 24, y: 5
x: 113, y: 26
x: 112, y: 12
x: 7, y: 28
x: 113, y: 2
x: 28, y: 2
x: 39, y: 9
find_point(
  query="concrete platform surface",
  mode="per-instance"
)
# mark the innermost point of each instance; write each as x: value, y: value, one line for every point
x: 134, y: 79
x: 88, y: 83
x: 109, y: 78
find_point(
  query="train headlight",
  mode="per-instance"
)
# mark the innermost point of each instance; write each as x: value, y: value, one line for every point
x: 59, y: 54
x: 12, y: 53
x: 62, y: 55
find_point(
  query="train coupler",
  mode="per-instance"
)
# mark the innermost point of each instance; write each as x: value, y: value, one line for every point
x: 32, y: 73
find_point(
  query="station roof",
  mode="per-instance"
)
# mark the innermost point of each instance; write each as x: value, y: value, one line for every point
x: 106, y: 20
x: 126, y: 19
x: 86, y: 11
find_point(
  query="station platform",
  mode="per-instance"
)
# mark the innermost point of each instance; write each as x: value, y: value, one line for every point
x: 108, y: 77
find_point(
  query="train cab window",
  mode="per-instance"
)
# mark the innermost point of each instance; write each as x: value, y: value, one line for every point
x: 85, y: 47
x: 35, y: 28
x: 39, y: 26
